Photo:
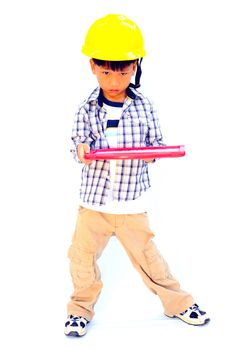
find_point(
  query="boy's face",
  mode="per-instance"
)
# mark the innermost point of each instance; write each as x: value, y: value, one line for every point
x: 114, y: 83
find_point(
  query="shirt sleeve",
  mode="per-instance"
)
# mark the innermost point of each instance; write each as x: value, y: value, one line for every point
x: 155, y: 137
x: 80, y: 131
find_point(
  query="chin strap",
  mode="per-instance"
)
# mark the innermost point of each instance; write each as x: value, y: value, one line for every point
x: 137, y: 76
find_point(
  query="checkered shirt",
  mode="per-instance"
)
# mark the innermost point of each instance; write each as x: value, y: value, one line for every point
x: 138, y: 127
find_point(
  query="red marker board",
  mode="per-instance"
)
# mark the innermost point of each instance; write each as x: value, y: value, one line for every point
x: 136, y: 152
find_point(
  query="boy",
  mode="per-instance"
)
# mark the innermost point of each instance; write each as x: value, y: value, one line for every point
x: 113, y: 194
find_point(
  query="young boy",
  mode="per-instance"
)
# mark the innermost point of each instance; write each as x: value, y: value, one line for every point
x: 113, y: 194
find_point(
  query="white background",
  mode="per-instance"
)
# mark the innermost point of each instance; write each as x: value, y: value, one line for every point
x: 188, y: 73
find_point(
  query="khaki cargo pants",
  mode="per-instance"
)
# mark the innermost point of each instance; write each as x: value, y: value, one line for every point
x: 93, y: 230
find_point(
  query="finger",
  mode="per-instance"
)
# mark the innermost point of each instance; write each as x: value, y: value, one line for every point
x: 80, y: 152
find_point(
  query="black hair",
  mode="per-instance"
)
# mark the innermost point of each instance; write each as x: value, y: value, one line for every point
x: 113, y: 65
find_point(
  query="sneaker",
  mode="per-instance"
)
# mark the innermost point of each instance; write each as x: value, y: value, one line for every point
x: 75, y: 326
x: 193, y: 315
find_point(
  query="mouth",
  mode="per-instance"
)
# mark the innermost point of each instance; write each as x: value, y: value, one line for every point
x: 114, y: 90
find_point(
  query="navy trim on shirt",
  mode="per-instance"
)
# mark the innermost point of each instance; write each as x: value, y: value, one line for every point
x: 112, y: 103
x: 112, y: 123
x: 102, y: 99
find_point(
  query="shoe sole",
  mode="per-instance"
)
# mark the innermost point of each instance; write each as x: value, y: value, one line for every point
x: 74, y: 334
x: 192, y: 324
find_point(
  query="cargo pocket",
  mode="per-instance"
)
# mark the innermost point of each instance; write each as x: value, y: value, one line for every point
x: 157, y: 266
x: 81, y: 267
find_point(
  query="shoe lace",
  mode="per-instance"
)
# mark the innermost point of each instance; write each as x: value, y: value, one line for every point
x: 78, y: 318
x: 195, y: 307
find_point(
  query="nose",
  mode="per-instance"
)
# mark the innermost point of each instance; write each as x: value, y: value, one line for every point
x: 114, y: 82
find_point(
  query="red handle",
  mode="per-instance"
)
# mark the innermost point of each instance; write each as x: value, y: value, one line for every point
x: 136, y: 152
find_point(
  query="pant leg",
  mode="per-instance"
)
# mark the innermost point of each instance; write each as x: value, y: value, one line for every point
x: 91, y: 236
x: 136, y: 237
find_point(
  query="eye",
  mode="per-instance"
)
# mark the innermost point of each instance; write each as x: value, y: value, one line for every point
x: 124, y: 73
x: 105, y: 73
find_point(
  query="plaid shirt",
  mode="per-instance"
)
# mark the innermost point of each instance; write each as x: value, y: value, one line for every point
x: 138, y: 127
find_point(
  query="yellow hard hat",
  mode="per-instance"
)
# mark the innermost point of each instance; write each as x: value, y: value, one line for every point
x: 114, y: 38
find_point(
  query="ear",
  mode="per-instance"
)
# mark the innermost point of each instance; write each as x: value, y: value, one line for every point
x: 135, y: 66
x: 92, y: 64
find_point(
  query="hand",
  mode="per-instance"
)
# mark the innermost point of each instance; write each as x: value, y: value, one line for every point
x: 150, y: 160
x: 81, y: 150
